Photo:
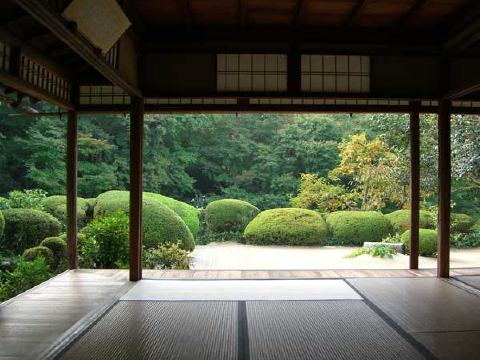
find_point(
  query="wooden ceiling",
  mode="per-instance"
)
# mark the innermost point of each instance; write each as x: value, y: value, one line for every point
x: 298, y: 13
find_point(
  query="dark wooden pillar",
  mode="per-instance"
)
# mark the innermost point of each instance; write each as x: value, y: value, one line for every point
x: 72, y: 150
x: 444, y: 189
x: 136, y: 175
x: 414, y: 184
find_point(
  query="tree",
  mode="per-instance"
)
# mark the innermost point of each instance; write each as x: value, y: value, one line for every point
x: 369, y: 167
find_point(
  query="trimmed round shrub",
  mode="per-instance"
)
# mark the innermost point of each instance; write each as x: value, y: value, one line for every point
x: 58, y: 247
x: 427, y: 244
x: 286, y: 226
x: 356, y: 227
x: 188, y: 213
x: 229, y: 215
x: 40, y: 251
x: 2, y: 224
x: 160, y: 224
x: 25, y: 228
x: 400, y: 220
x: 56, y: 205
x: 461, y: 223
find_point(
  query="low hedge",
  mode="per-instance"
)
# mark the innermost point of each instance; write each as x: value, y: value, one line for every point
x: 286, y: 226
x: 40, y: 251
x: 356, y: 227
x: 2, y: 224
x: 461, y: 223
x: 25, y: 228
x: 59, y: 249
x: 188, y: 213
x: 56, y: 205
x: 229, y: 215
x: 400, y: 220
x: 427, y: 244
x: 161, y: 225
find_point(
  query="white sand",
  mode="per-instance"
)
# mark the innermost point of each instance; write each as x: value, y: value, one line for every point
x: 234, y: 256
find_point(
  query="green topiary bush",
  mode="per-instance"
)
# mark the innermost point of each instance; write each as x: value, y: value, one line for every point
x: 160, y: 224
x: 56, y: 205
x: 400, y: 220
x: 229, y: 215
x: 286, y: 226
x: 2, y: 224
x: 461, y: 223
x: 356, y: 227
x: 427, y: 245
x: 59, y: 250
x: 25, y: 228
x: 188, y: 213
x: 40, y: 251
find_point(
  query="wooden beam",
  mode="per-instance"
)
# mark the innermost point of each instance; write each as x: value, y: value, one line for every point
x: 300, y: 13
x: 186, y: 9
x: 24, y: 87
x: 136, y: 175
x: 357, y: 9
x: 414, y: 184
x: 444, y: 188
x: 243, y: 13
x: 72, y: 156
x: 57, y: 25
x: 412, y: 11
x: 464, y: 28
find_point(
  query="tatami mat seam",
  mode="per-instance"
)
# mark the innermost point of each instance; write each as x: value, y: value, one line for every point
x: 392, y: 323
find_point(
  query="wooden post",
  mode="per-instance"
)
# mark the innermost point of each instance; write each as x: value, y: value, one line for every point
x: 444, y: 189
x: 136, y: 175
x: 414, y: 184
x: 72, y: 150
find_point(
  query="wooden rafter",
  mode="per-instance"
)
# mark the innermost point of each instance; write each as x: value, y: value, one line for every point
x: 57, y: 25
x: 412, y: 11
x: 465, y: 28
x: 357, y: 9
x: 186, y: 9
x: 300, y: 13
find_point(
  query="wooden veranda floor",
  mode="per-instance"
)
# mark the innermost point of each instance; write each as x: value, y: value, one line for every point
x: 40, y: 322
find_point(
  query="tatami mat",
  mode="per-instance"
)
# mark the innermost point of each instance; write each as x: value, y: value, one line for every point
x: 423, y: 304
x: 473, y: 281
x: 161, y: 330
x: 260, y: 330
x: 241, y: 290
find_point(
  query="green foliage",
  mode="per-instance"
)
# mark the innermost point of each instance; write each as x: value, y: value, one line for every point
x: 4, y: 204
x: 160, y: 224
x: 56, y: 205
x: 400, y: 220
x: 356, y: 227
x: 111, y: 234
x: 427, y: 245
x: 317, y: 194
x: 2, y: 224
x: 87, y: 250
x: 40, y: 251
x: 168, y: 256
x: 24, y: 276
x: 393, y: 238
x: 26, y: 199
x: 25, y: 228
x: 465, y: 240
x: 59, y: 249
x: 288, y: 226
x: 187, y: 212
x: 229, y: 215
x: 208, y: 237
x: 461, y: 223
x: 380, y: 250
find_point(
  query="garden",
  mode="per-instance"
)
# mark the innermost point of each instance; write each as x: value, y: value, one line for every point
x: 313, y: 182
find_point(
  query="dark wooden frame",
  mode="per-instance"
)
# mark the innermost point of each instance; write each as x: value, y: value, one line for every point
x: 414, y: 185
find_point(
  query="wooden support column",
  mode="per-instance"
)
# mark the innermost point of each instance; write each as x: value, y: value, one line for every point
x: 136, y: 175
x: 72, y: 151
x: 414, y: 184
x: 444, y: 188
